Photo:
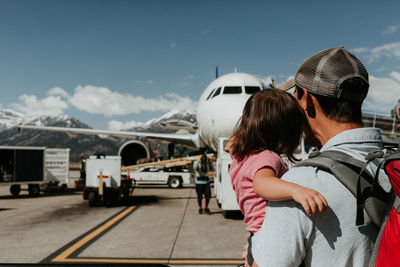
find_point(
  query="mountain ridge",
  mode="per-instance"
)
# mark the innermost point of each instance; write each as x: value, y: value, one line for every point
x: 81, y: 144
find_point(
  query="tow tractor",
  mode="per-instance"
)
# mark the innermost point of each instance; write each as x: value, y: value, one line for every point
x: 104, y: 182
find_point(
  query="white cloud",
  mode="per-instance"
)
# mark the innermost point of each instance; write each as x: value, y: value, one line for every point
x: 395, y: 75
x: 49, y: 106
x: 115, y: 125
x: 58, y: 91
x: 267, y: 80
x: 172, y: 45
x: 143, y: 82
x: 101, y: 100
x: 373, y: 54
x: 383, y: 94
x: 360, y: 50
x: 391, y: 29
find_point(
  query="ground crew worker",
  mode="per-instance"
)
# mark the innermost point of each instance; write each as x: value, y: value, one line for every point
x: 202, y: 167
x: 83, y: 168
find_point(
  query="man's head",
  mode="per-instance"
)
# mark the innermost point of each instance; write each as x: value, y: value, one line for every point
x: 337, y: 81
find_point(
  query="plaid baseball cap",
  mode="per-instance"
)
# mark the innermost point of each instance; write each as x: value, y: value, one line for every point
x: 324, y: 73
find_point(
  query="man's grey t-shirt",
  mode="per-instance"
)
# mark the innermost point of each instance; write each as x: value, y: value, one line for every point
x: 288, y: 236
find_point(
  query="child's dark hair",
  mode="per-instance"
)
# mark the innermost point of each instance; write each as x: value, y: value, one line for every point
x: 271, y: 119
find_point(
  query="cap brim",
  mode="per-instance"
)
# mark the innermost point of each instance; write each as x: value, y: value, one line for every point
x: 287, y: 85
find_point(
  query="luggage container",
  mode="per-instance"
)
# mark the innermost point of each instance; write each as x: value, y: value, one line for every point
x: 34, y: 167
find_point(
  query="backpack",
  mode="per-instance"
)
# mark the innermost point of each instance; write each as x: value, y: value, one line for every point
x: 370, y: 196
x: 203, y: 167
x: 387, y: 245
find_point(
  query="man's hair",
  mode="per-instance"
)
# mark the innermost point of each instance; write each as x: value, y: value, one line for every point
x: 340, y: 110
x: 271, y: 120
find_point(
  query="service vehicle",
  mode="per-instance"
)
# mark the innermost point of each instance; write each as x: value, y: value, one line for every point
x: 224, y: 193
x: 174, y: 177
x: 35, y: 167
x: 104, y: 182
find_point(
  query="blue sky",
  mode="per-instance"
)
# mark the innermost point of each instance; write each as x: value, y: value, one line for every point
x: 116, y: 63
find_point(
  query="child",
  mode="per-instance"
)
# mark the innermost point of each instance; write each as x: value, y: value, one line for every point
x: 271, y: 125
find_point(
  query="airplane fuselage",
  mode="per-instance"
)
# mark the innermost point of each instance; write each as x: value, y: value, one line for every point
x: 219, y: 109
x: 221, y: 104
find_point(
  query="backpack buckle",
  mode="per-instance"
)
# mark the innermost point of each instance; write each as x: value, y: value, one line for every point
x: 314, y: 154
x: 374, y: 155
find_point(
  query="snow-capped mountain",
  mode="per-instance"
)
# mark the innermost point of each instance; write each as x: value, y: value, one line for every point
x: 154, y: 125
x: 81, y: 144
x: 10, y: 118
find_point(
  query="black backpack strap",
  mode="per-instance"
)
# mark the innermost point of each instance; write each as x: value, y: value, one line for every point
x: 353, y: 175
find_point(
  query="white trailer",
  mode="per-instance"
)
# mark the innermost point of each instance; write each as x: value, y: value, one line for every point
x: 103, y: 180
x: 34, y: 167
x: 223, y: 190
x: 57, y: 167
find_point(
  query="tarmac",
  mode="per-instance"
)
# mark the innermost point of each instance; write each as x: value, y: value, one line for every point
x: 156, y: 226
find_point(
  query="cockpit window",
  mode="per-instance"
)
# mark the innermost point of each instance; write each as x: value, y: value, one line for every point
x: 232, y: 90
x: 217, y: 92
x: 251, y: 89
x: 210, y: 94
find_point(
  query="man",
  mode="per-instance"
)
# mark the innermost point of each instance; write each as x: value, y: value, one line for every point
x: 395, y: 112
x: 202, y: 167
x: 330, y: 86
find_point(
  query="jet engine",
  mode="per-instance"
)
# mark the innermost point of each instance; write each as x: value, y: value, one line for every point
x: 132, y: 151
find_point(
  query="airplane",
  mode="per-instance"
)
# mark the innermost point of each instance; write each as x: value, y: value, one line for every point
x: 219, y: 109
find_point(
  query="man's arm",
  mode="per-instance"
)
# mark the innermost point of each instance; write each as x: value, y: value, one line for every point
x: 283, y: 237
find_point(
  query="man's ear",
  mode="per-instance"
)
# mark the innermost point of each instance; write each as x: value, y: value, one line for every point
x: 309, y: 104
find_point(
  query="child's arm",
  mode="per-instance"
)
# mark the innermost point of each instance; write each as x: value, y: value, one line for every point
x: 269, y: 187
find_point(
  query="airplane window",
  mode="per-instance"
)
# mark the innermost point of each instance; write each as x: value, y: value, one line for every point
x: 210, y: 94
x: 251, y: 89
x: 217, y: 92
x: 232, y: 90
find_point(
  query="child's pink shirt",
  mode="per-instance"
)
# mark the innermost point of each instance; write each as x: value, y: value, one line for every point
x: 242, y: 173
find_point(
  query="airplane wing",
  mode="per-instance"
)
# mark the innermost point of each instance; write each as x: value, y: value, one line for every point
x: 192, y: 140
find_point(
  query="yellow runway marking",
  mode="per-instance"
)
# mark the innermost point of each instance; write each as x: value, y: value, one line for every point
x: 107, y: 260
x: 206, y: 262
x: 63, y: 257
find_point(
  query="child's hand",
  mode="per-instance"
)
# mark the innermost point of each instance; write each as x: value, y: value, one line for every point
x: 311, y: 200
